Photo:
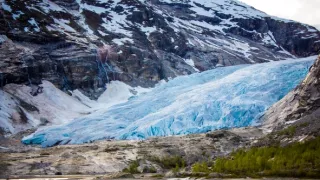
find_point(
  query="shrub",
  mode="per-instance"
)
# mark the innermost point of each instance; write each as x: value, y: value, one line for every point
x: 289, y: 131
x: 200, y: 168
x: 170, y: 162
x: 133, y: 168
x: 150, y: 169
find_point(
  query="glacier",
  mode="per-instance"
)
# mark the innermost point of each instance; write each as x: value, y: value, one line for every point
x: 225, y: 97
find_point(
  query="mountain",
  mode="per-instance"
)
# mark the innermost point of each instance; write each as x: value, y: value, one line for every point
x: 89, y: 73
x: 83, y: 44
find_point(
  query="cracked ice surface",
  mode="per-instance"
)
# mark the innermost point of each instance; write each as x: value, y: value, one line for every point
x: 225, y: 97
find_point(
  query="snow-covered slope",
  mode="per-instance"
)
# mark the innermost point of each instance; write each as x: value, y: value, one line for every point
x: 225, y: 97
x: 21, y: 111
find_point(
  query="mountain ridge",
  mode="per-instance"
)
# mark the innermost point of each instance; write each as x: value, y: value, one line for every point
x: 85, y: 44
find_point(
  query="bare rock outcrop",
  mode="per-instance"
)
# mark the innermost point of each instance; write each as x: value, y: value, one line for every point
x: 300, y: 108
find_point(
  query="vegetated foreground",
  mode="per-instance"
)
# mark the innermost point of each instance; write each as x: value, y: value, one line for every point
x: 202, y: 155
x: 165, y: 156
x: 295, y: 160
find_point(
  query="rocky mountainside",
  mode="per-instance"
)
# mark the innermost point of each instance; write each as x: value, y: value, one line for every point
x: 84, y: 44
x: 299, y: 110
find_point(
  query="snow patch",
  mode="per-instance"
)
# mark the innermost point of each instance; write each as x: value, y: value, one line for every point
x: 34, y: 23
x: 122, y: 41
x: 63, y: 24
x: 148, y: 30
x: 17, y: 15
x: 6, y: 7
x: 190, y: 62
x: 269, y: 39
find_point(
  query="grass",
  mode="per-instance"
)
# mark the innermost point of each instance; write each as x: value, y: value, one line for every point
x: 295, y: 160
x: 160, y: 176
x: 201, y: 168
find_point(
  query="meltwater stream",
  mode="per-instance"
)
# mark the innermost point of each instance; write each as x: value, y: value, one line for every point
x: 221, y: 98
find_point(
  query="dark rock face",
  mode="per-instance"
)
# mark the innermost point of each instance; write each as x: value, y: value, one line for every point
x: 69, y: 4
x: 84, y: 44
x: 308, y: 93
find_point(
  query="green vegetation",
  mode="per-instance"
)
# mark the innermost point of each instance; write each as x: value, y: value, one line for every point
x: 295, y: 160
x: 304, y: 124
x: 160, y: 176
x: 174, y: 163
x: 133, y: 168
x: 150, y: 169
x: 289, y: 131
x: 201, y: 168
x: 170, y: 162
x: 126, y: 146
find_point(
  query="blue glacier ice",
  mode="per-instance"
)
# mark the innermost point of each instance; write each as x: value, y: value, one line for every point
x: 225, y: 97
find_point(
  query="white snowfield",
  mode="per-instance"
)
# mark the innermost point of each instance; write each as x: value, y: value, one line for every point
x: 225, y: 97
x: 53, y: 105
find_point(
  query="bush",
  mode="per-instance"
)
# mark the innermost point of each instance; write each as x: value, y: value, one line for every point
x: 289, y: 131
x: 200, y: 168
x: 133, y: 168
x: 150, y: 169
x: 170, y: 162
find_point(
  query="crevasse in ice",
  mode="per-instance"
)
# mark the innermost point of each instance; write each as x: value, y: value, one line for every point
x: 225, y: 97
